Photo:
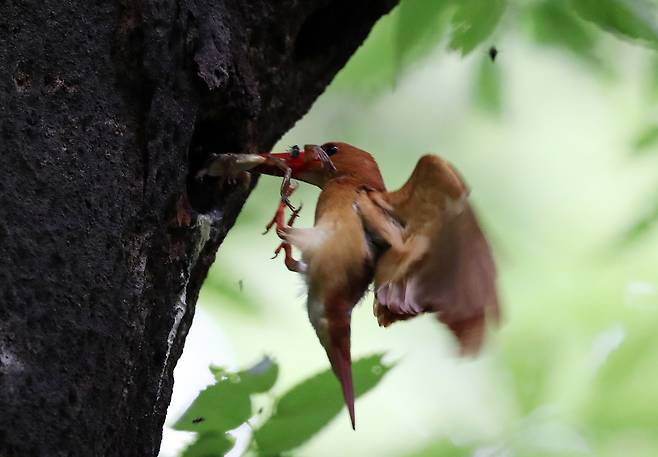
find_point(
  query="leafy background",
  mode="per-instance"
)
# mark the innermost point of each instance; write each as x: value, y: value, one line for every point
x: 558, y: 139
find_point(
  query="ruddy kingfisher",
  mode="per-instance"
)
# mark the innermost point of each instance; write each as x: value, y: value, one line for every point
x: 422, y: 246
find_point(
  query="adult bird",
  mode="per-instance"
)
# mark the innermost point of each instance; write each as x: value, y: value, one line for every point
x: 338, y: 258
x: 422, y: 242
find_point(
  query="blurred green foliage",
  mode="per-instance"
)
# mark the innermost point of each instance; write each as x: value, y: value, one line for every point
x: 473, y: 21
x: 444, y: 449
x: 552, y: 23
x: 635, y: 19
x: 644, y: 224
x: 228, y: 288
x: 487, y: 86
x: 416, y: 27
x: 296, y: 415
x: 647, y: 140
x: 575, y: 368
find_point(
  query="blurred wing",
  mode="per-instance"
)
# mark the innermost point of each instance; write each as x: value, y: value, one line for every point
x: 458, y: 280
x: 438, y: 259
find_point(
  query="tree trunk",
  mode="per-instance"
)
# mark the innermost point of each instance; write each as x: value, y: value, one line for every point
x: 106, y: 111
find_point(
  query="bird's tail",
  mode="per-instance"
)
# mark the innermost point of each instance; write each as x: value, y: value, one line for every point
x: 332, y: 325
x: 341, y: 362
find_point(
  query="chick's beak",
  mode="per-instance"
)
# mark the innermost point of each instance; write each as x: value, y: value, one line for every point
x: 229, y: 164
x: 245, y: 162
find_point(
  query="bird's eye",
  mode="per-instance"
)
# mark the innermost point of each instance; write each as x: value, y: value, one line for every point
x: 330, y: 149
x: 294, y: 151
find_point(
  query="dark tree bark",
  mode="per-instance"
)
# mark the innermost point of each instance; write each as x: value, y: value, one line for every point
x: 106, y: 110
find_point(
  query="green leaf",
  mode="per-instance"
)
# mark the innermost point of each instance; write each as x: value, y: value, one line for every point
x: 553, y: 23
x: 487, y: 86
x: 218, y: 408
x: 227, y: 404
x: 257, y: 379
x: 308, y: 407
x: 209, y: 445
x: 635, y: 19
x: 473, y: 22
x: 647, y: 140
x: 420, y: 27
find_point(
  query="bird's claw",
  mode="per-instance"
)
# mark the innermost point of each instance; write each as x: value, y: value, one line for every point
x: 291, y: 263
x: 286, y: 200
x: 283, y: 203
x: 277, y: 250
x: 277, y: 219
x: 295, y: 214
x: 281, y: 229
x: 269, y: 226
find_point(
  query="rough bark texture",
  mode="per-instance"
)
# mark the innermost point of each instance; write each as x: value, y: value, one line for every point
x: 106, y: 109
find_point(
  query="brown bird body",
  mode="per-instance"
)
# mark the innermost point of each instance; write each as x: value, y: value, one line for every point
x: 435, y: 258
x: 337, y: 258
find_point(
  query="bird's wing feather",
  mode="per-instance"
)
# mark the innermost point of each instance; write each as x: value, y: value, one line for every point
x: 438, y: 259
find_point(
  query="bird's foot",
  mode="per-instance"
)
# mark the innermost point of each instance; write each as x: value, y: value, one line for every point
x: 280, y: 213
x: 278, y: 218
x: 281, y: 230
x: 291, y: 263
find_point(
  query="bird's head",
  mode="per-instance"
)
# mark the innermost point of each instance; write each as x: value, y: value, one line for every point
x: 319, y: 164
